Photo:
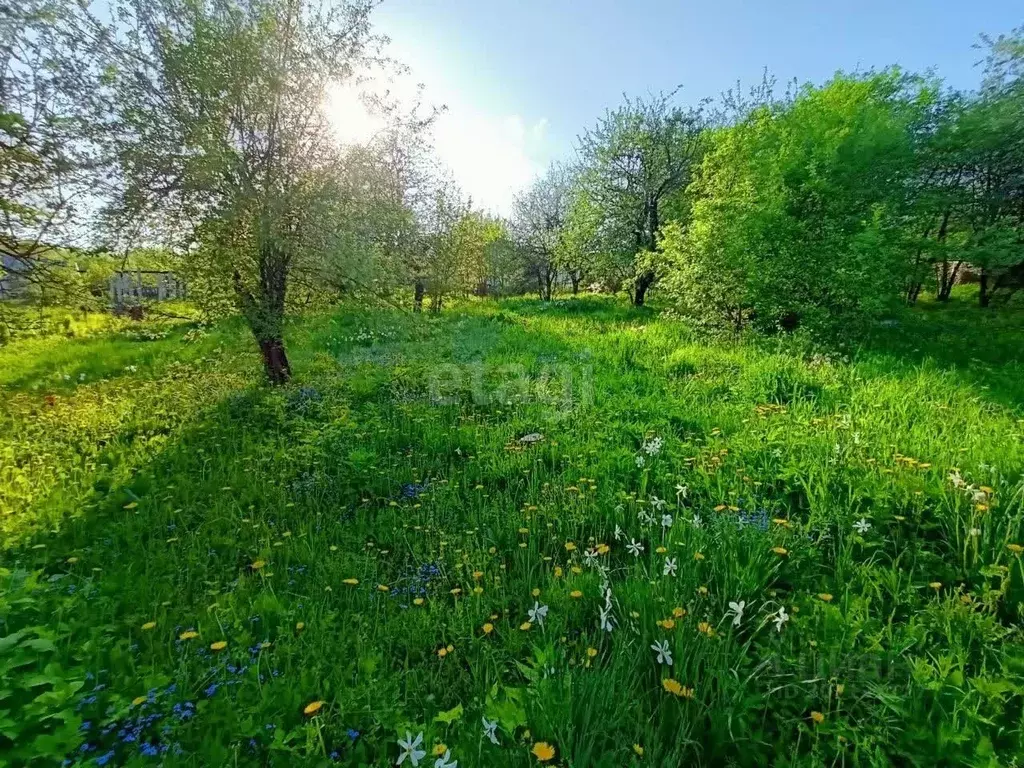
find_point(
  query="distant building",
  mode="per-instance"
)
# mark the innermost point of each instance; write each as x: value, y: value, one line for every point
x: 130, y: 287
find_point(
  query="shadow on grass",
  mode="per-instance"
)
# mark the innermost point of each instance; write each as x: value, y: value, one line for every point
x: 56, y: 364
x: 983, y: 348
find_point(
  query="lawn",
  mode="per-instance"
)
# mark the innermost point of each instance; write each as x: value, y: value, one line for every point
x: 590, y: 532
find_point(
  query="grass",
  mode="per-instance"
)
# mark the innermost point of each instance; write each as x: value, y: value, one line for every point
x: 374, y: 536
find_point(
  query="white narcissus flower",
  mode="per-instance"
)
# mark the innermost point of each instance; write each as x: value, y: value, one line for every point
x: 618, y: 533
x: 410, y: 749
x: 736, y: 611
x: 666, y: 521
x: 664, y: 654
x: 606, y: 619
x: 657, y: 503
x: 490, y: 729
x: 538, y: 613
x: 670, y: 567
x: 862, y: 526
x: 781, y: 618
x: 635, y: 547
x: 443, y: 760
x: 697, y: 522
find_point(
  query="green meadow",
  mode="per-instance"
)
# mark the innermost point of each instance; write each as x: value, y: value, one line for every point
x: 576, y: 533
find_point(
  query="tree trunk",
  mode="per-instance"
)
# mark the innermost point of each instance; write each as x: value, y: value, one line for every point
x: 417, y: 299
x: 984, y: 297
x: 947, y: 278
x: 275, y: 361
x: 435, y: 304
x: 643, y: 282
x: 574, y: 278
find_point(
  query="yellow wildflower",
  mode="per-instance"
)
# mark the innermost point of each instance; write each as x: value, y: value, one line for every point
x: 543, y: 751
x: 312, y: 708
x: 220, y: 645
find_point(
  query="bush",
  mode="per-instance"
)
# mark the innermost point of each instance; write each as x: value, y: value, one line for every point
x: 796, y: 211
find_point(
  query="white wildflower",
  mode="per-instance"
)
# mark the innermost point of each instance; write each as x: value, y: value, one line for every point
x: 410, y: 749
x: 490, y: 729
x: 538, y: 613
x: 862, y: 526
x: 666, y: 521
x: 635, y: 547
x: 670, y: 567
x: 443, y: 761
x: 664, y: 654
x: 736, y: 611
x: 781, y: 618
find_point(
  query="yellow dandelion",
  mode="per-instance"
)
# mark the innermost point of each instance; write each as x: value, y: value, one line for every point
x: 673, y: 686
x: 535, y: 592
x: 299, y: 626
x: 312, y: 708
x: 525, y: 626
x: 570, y: 546
x: 487, y: 628
x: 702, y: 590
x: 188, y: 634
x: 668, y: 624
x: 1015, y: 548
x: 383, y: 588
x: 678, y: 612
x: 440, y: 749
x: 257, y: 564
x: 478, y: 590
x: 698, y: 556
x: 575, y: 594
x: 576, y: 570
x: 603, y: 549
x: 936, y: 585
x: 148, y: 626
x: 780, y: 551
x: 220, y: 645
x: 639, y: 750
x: 558, y: 571
x: 418, y: 601
x: 456, y: 592
x: 825, y: 597
x: 138, y: 700
x: 350, y: 582
x: 817, y: 717
x: 705, y: 629
x: 543, y: 751
x: 661, y: 550
x: 442, y: 652
x: 477, y: 575
x: 591, y: 652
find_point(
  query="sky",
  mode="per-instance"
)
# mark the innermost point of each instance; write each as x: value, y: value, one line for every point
x: 521, y: 79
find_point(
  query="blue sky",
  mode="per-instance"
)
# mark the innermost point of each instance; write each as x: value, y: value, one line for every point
x: 523, y: 77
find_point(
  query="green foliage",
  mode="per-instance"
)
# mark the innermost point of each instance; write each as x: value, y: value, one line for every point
x: 798, y: 209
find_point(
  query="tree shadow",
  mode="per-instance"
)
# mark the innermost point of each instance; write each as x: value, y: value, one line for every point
x: 982, y: 348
